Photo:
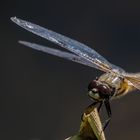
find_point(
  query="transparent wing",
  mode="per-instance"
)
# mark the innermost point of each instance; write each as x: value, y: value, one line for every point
x: 58, y: 53
x: 76, y: 47
x: 134, y: 79
x: 134, y: 75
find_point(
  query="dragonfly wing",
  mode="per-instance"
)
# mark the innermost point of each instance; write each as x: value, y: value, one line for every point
x: 134, y: 79
x: 76, y: 47
x: 58, y: 53
x: 134, y: 75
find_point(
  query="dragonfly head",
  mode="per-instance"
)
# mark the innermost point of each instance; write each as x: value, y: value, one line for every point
x: 99, y: 91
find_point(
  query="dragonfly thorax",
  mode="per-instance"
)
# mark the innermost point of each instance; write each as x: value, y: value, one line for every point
x: 100, y: 91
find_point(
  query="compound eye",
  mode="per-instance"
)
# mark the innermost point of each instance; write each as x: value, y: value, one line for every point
x: 104, y: 89
x: 92, y: 85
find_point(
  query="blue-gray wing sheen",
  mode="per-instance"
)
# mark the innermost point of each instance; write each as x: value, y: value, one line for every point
x: 56, y: 52
x: 82, y: 53
x: 76, y: 47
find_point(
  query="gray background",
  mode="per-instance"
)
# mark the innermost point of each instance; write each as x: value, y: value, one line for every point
x: 42, y: 97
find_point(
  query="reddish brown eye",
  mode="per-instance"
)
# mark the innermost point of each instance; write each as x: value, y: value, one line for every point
x: 92, y: 84
x: 104, y: 89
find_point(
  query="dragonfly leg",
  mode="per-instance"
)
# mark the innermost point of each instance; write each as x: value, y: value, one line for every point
x: 99, y: 107
x: 108, y: 109
x: 93, y: 105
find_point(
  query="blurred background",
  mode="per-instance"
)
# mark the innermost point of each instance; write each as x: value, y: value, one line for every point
x: 42, y: 97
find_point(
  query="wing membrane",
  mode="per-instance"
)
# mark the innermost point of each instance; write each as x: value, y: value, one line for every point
x: 134, y: 75
x: 134, y: 78
x: 76, y: 47
x: 58, y: 53
x: 84, y: 54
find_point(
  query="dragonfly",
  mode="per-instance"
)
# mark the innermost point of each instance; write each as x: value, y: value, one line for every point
x: 115, y: 82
